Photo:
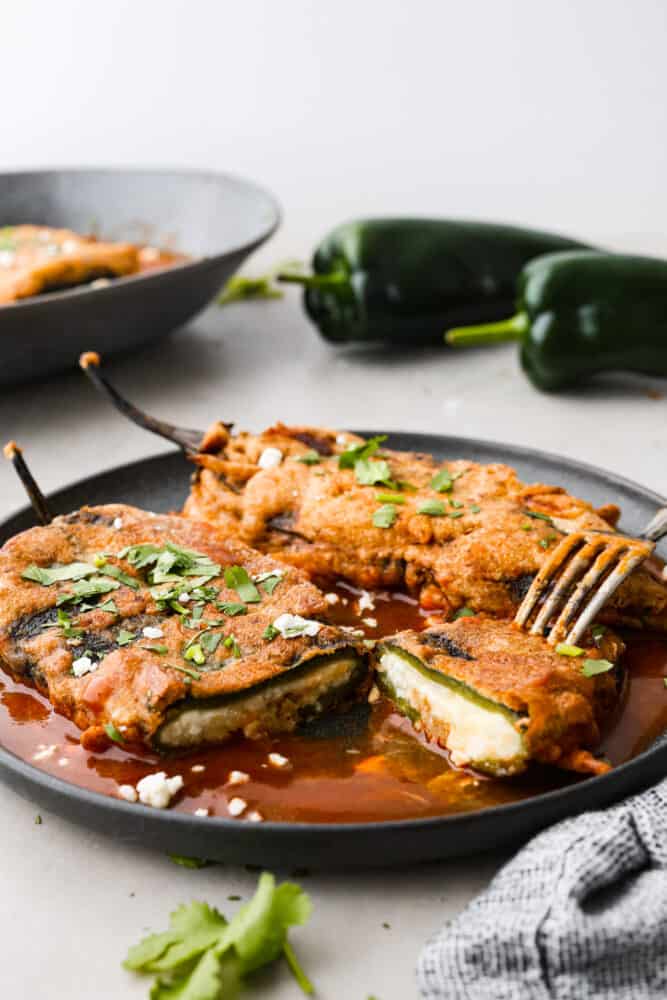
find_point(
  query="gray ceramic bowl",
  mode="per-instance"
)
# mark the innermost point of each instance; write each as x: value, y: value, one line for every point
x: 216, y: 219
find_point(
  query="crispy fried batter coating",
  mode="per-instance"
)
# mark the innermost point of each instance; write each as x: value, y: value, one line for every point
x: 559, y: 710
x: 134, y: 682
x: 481, y: 552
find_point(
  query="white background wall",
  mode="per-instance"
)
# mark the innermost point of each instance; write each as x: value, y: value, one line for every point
x: 546, y: 113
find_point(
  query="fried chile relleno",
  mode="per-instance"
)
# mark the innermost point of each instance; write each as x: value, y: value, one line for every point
x: 496, y: 697
x: 453, y: 533
x: 157, y: 630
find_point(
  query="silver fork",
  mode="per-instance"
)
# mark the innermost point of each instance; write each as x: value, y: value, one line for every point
x: 580, y: 576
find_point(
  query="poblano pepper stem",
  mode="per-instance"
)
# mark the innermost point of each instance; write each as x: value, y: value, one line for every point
x: 583, y: 312
x: 489, y: 333
x: 323, y: 281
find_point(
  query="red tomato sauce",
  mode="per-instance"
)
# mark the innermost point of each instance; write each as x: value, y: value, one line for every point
x: 354, y: 771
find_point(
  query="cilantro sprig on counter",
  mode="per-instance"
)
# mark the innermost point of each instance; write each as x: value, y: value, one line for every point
x: 202, y: 956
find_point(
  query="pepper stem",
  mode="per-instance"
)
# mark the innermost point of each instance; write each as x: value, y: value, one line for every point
x: 333, y: 280
x: 489, y: 333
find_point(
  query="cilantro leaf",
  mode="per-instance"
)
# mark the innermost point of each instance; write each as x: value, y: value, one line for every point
x: 309, y: 458
x: 442, y: 481
x: 537, y: 515
x: 87, y: 588
x: 385, y: 516
x: 170, y: 562
x: 124, y: 637
x: 48, y: 575
x: 236, y: 578
x: 113, y: 733
x: 464, y: 612
x: 592, y: 667
x: 357, y: 452
x: 232, y: 609
x: 203, y: 957
x: 434, y: 508
x: 371, y: 473
x: 210, y: 641
x: 192, y: 929
x: 114, y: 571
x: 270, y: 580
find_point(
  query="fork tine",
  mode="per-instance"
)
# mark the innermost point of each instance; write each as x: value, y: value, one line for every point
x: 583, y: 565
x: 626, y: 566
x: 576, y: 567
x: 596, y: 561
x: 545, y: 576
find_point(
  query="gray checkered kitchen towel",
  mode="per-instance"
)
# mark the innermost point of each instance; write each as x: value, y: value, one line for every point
x: 579, y: 914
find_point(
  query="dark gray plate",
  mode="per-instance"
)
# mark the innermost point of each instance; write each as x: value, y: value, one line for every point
x: 214, y: 218
x: 161, y: 484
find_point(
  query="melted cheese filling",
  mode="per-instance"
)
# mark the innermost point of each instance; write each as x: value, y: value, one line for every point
x: 481, y: 737
x: 276, y: 708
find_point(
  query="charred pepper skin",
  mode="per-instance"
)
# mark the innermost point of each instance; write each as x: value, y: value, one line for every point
x: 582, y: 313
x: 402, y: 281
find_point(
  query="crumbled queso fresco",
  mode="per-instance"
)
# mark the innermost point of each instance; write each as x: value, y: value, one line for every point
x: 270, y: 458
x: 291, y: 626
x: 151, y: 632
x: 83, y: 665
x: 158, y: 790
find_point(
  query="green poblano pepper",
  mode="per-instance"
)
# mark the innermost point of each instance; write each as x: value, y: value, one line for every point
x: 581, y: 313
x: 403, y: 281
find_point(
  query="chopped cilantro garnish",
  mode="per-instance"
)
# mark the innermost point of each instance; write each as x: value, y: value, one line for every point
x: 109, y: 569
x: 124, y: 637
x: 270, y: 580
x: 236, y: 578
x: 184, y: 862
x: 240, y: 289
x: 455, y: 514
x: 88, y: 588
x: 204, y: 957
x: 309, y: 458
x: 64, y: 622
x: 592, y: 667
x: 232, y: 609
x: 474, y: 508
x: 231, y: 643
x: 210, y: 641
x: 108, y: 606
x: 113, y: 733
x: 564, y: 650
x: 358, y: 452
x: 389, y: 498
x: 465, y: 613
x: 48, y: 575
x: 434, y: 508
x: 371, y: 473
x: 442, y: 481
x: 195, y: 654
x: 157, y: 648
x: 194, y: 674
x: 270, y: 633
x: 456, y: 504
x: 385, y: 516
x: 537, y: 515
x: 170, y: 562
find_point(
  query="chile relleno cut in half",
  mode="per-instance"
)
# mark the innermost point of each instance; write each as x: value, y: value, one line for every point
x: 158, y: 630
x: 497, y: 698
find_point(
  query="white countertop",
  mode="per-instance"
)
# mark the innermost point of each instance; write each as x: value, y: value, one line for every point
x: 72, y: 901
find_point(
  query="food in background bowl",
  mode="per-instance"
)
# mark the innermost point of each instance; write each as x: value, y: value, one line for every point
x: 36, y: 259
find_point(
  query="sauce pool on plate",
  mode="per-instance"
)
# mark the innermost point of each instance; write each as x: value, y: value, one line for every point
x: 366, y: 766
